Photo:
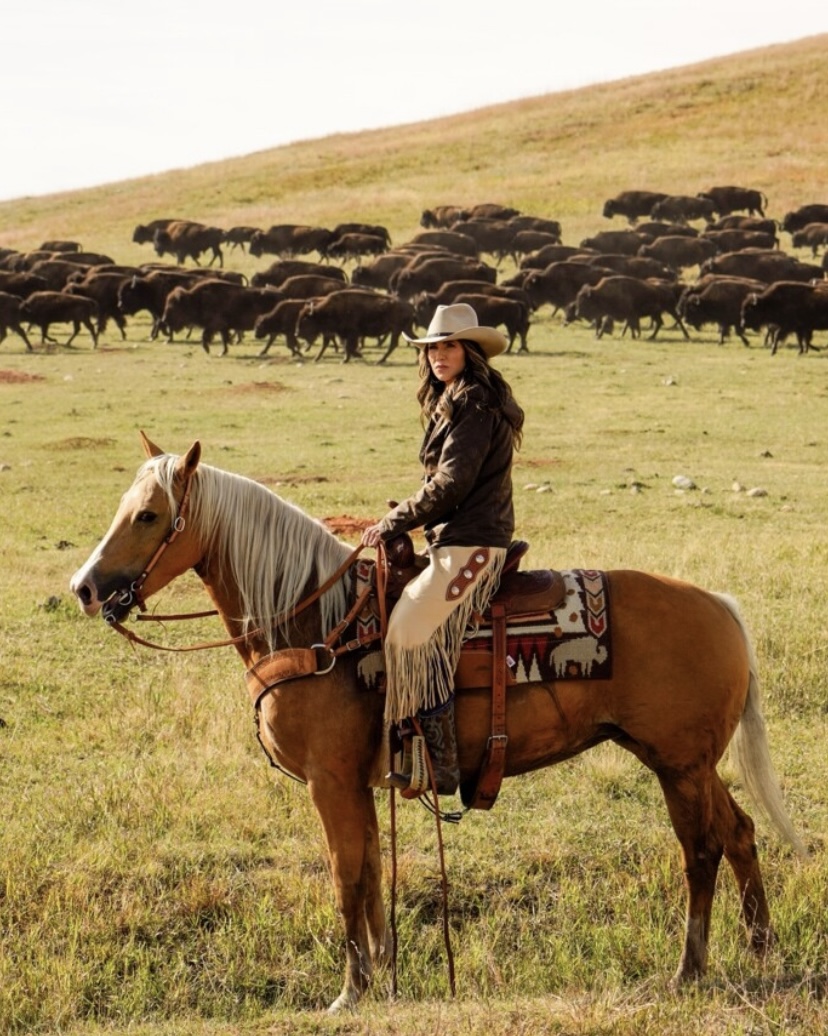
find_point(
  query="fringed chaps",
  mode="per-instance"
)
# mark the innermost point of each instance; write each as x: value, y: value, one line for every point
x: 435, y: 613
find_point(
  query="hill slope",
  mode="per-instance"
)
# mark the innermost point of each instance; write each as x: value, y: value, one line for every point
x: 753, y: 119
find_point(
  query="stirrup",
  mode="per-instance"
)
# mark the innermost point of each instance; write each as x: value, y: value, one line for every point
x: 412, y: 785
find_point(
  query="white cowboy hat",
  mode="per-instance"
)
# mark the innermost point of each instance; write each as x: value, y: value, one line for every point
x: 460, y: 321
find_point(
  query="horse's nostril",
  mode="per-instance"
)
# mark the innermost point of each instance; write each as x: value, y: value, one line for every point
x: 85, y: 594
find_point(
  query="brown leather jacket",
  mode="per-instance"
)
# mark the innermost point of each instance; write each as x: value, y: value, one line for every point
x: 466, y: 497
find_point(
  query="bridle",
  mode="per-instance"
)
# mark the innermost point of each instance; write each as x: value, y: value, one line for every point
x: 132, y: 596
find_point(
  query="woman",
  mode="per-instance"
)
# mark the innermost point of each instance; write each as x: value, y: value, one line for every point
x: 472, y: 427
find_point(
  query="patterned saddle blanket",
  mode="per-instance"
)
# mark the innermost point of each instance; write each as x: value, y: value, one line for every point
x: 570, y: 642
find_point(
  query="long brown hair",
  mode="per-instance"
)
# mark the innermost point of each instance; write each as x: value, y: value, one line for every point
x: 437, y: 400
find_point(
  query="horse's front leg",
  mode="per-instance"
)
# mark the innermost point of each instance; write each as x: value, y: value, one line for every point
x: 349, y: 819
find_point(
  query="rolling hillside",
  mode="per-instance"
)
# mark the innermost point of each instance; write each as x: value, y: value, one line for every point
x: 754, y: 119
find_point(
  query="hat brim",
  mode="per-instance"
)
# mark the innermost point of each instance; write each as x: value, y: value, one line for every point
x: 490, y: 340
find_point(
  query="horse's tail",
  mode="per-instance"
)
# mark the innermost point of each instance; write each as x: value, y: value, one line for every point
x: 750, y: 752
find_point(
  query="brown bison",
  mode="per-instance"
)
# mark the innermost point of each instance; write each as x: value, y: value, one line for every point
x: 559, y: 284
x: 812, y: 235
x: 683, y: 208
x: 736, y: 240
x: 186, y: 240
x: 788, y: 307
x: 498, y: 311
x: 805, y: 214
x: 619, y: 242
x: 443, y: 216
x: 762, y: 265
x: 44, y: 308
x: 632, y: 204
x: 678, y: 251
x: 628, y: 299
x: 734, y: 199
x: 352, y: 315
x: 277, y: 273
x: 718, y: 300
x: 430, y: 274
x: 10, y: 317
x: 218, y: 307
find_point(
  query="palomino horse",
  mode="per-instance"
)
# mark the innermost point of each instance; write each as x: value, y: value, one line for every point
x: 684, y: 686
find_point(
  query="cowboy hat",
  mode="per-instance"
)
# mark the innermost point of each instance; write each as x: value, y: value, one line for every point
x: 460, y: 321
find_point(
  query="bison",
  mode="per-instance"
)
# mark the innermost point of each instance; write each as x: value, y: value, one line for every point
x: 734, y: 199
x: 736, y: 240
x: 354, y: 314
x: 559, y: 283
x: 354, y: 245
x: 762, y: 265
x: 805, y: 214
x: 104, y: 289
x: 443, y: 216
x: 619, y: 242
x: 812, y: 235
x: 430, y: 274
x: 277, y: 273
x: 145, y: 232
x: 718, y: 300
x: 788, y: 307
x: 217, y: 307
x: 281, y: 320
x: 449, y: 240
x: 44, y: 308
x: 628, y: 299
x: 632, y: 204
x: 186, y: 240
x: 682, y: 208
x: 678, y: 251
x: 288, y: 239
x: 10, y: 317
x: 498, y: 311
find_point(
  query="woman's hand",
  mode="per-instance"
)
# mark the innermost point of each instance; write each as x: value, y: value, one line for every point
x: 371, y: 536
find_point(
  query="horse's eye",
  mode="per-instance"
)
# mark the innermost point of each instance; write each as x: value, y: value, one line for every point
x: 146, y: 517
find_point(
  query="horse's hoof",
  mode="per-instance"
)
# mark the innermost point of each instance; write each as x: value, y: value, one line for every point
x: 344, y: 1002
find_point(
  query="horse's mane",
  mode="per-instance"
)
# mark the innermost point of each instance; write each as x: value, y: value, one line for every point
x: 270, y: 549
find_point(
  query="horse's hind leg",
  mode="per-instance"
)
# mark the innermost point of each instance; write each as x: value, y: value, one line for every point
x: 689, y: 798
x: 740, y: 853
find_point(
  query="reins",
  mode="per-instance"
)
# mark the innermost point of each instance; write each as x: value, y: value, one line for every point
x: 133, y: 595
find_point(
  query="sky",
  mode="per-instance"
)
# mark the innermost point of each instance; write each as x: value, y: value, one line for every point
x: 98, y: 91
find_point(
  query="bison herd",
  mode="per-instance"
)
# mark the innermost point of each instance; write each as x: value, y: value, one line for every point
x: 742, y: 278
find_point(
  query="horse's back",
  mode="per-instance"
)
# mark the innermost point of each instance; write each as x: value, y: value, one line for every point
x: 680, y: 675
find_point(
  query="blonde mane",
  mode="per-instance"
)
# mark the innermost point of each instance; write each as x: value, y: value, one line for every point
x: 270, y: 549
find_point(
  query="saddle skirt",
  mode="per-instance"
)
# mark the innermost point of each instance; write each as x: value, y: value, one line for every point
x: 557, y: 625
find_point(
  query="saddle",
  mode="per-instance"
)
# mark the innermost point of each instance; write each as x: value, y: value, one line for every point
x: 519, y: 593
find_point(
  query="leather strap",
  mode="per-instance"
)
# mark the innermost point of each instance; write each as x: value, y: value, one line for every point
x: 494, y: 762
x: 288, y: 664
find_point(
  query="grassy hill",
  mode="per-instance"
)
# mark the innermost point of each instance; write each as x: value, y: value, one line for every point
x: 755, y: 119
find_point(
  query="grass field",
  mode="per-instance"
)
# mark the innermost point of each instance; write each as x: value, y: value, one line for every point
x: 156, y: 876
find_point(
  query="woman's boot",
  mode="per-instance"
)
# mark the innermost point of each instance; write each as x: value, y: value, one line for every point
x: 441, y: 739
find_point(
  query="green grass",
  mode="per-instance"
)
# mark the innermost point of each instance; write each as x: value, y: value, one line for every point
x: 156, y: 876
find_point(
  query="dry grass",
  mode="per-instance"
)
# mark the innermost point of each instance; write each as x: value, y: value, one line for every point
x: 155, y: 876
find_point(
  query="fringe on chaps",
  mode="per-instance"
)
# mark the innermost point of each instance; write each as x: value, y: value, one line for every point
x: 435, y: 613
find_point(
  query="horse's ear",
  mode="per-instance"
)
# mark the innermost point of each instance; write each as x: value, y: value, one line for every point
x: 186, y: 465
x: 150, y: 448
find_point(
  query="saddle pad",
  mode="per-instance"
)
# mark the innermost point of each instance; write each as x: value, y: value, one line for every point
x: 570, y: 643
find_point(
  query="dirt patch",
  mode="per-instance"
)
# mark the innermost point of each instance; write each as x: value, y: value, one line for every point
x: 254, y: 387
x: 290, y: 480
x: 82, y: 442
x: 347, y: 525
x: 18, y: 377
